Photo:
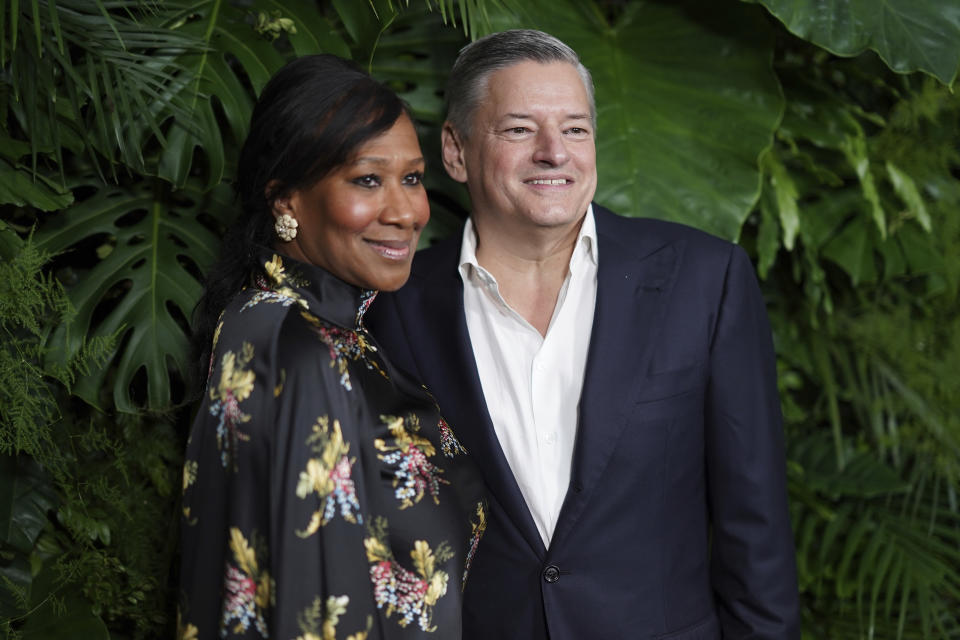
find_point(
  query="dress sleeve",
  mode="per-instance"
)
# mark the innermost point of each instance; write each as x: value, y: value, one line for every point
x: 752, y: 565
x: 319, y: 502
x: 225, y: 576
x: 273, y: 520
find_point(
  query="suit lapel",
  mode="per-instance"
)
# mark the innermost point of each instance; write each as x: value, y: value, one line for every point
x: 450, y: 372
x: 635, y: 274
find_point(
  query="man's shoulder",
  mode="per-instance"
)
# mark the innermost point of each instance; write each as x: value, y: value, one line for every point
x: 627, y: 230
x: 442, y: 255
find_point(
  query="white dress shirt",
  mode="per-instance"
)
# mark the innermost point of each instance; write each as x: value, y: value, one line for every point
x: 532, y: 383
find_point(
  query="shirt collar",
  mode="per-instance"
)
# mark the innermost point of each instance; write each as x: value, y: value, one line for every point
x: 586, y: 245
x: 313, y: 288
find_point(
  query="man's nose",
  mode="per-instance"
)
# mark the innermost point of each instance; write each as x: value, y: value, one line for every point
x: 551, y: 148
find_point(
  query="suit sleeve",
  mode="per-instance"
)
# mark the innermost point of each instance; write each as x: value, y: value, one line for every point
x: 753, y: 567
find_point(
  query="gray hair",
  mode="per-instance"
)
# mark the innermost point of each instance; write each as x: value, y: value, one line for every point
x: 467, y: 85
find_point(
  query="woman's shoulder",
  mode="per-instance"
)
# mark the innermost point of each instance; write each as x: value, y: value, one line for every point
x: 265, y: 322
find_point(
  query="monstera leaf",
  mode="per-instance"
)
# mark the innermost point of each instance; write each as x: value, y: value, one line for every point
x: 208, y: 80
x: 907, y: 34
x: 686, y: 101
x: 145, y: 286
x: 239, y: 50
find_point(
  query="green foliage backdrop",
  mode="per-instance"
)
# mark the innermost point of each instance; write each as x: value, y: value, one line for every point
x: 822, y: 136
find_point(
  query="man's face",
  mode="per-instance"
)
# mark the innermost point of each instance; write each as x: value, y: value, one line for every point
x: 530, y: 157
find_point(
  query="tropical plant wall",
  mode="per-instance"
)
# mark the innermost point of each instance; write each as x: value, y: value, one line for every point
x: 823, y: 136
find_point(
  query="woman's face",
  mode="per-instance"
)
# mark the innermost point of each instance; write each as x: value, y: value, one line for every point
x: 362, y: 221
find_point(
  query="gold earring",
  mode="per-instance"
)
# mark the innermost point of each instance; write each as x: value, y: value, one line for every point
x: 286, y: 227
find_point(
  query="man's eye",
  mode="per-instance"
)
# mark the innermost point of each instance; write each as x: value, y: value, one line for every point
x: 414, y: 178
x: 517, y: 130
x: 578, y: 131
x: 369, y: 180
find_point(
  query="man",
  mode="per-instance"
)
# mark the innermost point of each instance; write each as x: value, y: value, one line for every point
x: 614, y: 378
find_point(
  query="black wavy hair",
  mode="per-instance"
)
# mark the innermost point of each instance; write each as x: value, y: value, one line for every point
x: 310, y: 119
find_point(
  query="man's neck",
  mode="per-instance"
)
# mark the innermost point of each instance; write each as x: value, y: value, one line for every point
x: 529, y: 267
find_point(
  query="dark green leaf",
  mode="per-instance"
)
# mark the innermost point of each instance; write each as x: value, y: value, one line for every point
x: 26, y: 497
x: 909, y: 35
x: 146, y: 282
x: 60, y: 613
x: 314, y: 34
x: 686, y: 102
x: 18, y: 187
x: 853, y: 249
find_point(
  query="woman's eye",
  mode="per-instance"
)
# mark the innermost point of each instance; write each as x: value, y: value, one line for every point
x: 370, y: 180
x: 414, y: 178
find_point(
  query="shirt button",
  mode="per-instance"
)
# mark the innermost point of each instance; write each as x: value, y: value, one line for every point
x: 550, y: 438
x: 551, y: 574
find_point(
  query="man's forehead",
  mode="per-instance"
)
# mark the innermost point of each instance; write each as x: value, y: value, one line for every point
x: 522, y: 81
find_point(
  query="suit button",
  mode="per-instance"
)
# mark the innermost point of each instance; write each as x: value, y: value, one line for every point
x: 551, y: 574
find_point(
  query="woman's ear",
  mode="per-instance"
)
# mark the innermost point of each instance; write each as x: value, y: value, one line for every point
x: 451, y: 148
x: 278, y: 205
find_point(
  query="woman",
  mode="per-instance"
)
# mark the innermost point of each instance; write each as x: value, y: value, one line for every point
x: 324, y: 496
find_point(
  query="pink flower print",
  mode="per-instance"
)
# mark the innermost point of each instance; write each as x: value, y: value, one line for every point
x: 449, y: 444
x: 238, y: 603
x: 413, y: 475
x: 397, y: 589
x: 344, y: 493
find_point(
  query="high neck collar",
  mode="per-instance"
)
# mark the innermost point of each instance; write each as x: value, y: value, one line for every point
x: 322, y: 293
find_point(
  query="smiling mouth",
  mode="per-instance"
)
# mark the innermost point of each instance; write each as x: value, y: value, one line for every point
x: 553, y: 181
x: 391, y: 249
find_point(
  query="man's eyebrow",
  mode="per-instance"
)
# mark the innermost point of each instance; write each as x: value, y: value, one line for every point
x: 527, y: 116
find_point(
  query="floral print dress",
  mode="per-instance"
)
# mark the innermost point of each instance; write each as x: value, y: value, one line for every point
x: 325, y: 498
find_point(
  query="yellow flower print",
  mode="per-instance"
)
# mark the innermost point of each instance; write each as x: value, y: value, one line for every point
x: 235, y: 385
x: 410, y: 595
x: 189, y: 473
x: 189, y: 477
x: 275, y: 269
x: 408, y: 453
x: 376, y: 550
x: 247, y: 589
x: 233, y: 379
x: 477, y: 528
x: 216, y: 332
x: 319, y: 621
x: 329, y: 477
x: 437, y: 588
x: 274, y: 288
x: 186, y: 632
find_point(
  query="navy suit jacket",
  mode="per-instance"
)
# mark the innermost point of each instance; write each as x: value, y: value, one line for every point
x: 675, y: 522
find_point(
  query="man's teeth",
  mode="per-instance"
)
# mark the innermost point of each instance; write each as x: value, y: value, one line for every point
x: 557, y: 181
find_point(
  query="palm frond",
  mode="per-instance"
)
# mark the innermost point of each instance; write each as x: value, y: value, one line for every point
x: 85, y: 71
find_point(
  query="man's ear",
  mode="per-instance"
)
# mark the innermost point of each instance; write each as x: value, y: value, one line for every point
x: 451, y: 148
